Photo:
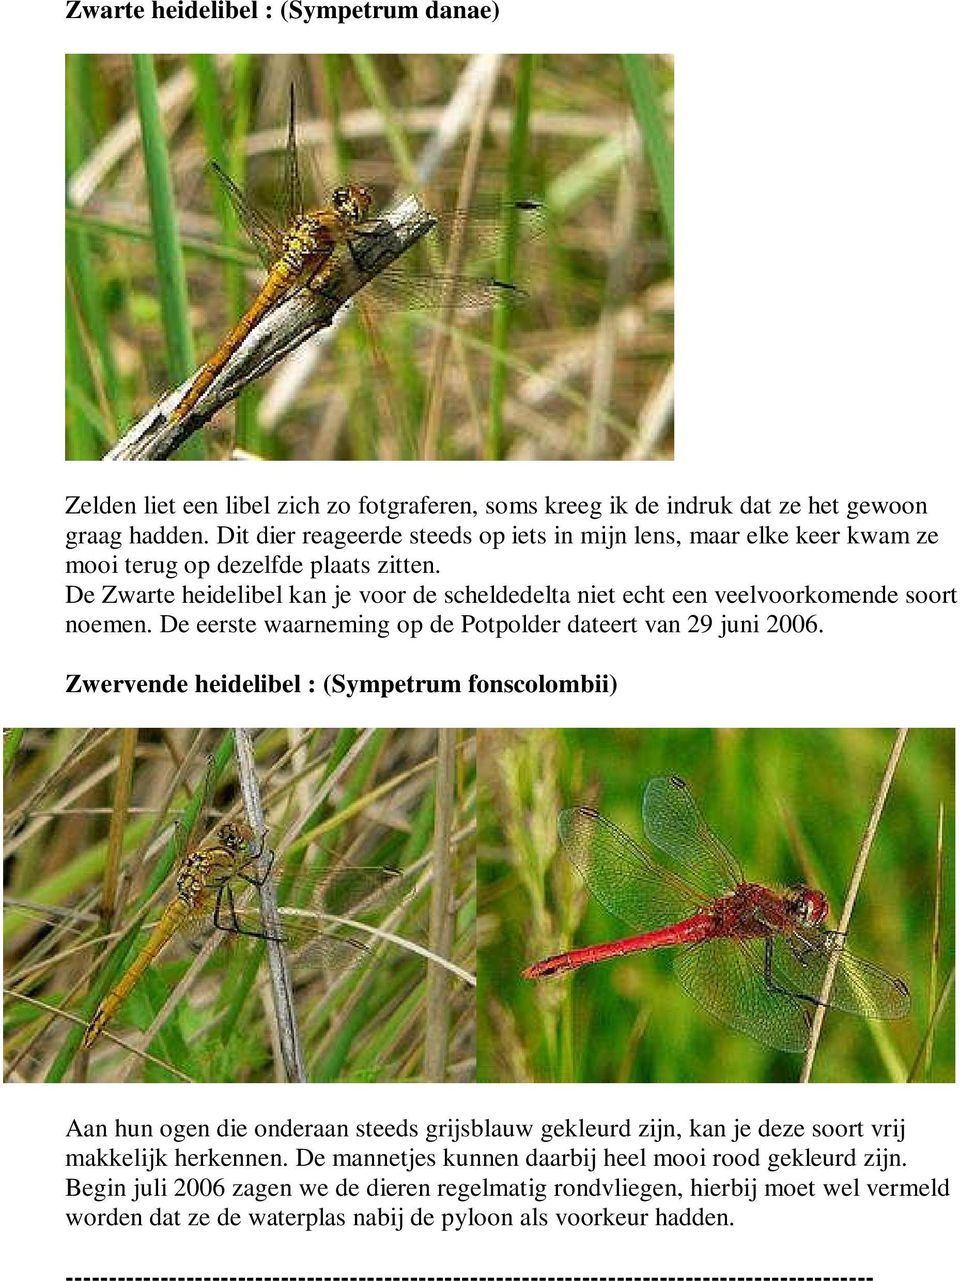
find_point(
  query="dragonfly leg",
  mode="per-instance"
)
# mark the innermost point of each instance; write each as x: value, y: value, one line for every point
x: 257, y: 878
x: 804, y: 947
x: 225, y: 897
x: 225, y: 917
x: 801, y: 948
x: 772, y: 983
x: 836, y: 939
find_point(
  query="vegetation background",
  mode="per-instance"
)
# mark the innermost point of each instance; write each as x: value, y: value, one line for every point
x: 157, y: 269
x: 89, y: 842
x: 792, y: 805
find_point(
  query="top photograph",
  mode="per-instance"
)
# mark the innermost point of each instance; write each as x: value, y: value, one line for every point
x: 363, y: 257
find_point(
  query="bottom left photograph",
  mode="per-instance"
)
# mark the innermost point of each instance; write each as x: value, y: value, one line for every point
x: 239, y: 905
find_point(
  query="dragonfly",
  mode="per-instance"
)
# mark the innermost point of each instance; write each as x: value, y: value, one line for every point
x: 755, y: 958
x: 303, y: 249
x: 210, y: 881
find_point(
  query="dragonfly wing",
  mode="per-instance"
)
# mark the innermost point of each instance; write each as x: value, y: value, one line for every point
x: 266, y: 237
x: 359, y: 891
x: 726, y: 977
x: 415, y: 283
x: 306, y: 927
x: 292, y: 187
x: 800, y: 964
x: 309, y: 937
x: 622, y: 876
x: 367, y: 895
x: 398, y: 290
x: 332, y: 947
x: 186, y: 832
x: 673, y: 823
x: 484, y: 226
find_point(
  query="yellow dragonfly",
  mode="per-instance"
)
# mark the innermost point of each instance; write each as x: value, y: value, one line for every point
x: 211, y: 875
x: 303, y: 249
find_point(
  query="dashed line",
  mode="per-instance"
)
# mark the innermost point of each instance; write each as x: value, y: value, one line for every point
x: 778, y: 1277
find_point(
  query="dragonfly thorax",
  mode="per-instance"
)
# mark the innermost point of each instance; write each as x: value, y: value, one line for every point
x: 747, y: 911
x: 216, y: 859
x: 311, y: 239
x: 755, y: 911
x: 194, y: 877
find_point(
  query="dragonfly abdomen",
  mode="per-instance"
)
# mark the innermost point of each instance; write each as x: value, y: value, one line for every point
x: 204, y: 871
x: 693, y: 930
x: 279, y: 282
x: 175, y: 915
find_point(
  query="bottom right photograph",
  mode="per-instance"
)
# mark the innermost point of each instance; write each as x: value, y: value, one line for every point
x: 716, y: 905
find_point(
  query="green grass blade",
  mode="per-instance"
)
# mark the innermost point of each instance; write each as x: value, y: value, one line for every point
x: 171, y: 277
x: 81, y: 433
x: 653, y: 125
x: 228, y: 254
x: 89, y: 318
x: 227, y: 150
x: 506, y: 263
x: 11, y: 743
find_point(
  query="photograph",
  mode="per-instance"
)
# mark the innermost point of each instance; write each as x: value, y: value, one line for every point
x: 715, y: 905
x: 239, y: 905
x: 359, y: 257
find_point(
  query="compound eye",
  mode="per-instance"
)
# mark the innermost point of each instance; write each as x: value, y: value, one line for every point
x: 809, y: 906
x: 351, y: 203
x: 818, y: 907
x: 797, y: 902
x: 343, y: 201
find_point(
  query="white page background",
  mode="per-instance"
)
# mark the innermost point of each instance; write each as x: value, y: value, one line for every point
x: 817, y: 353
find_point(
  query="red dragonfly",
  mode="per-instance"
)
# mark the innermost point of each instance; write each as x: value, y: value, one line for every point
x: 755, y: 958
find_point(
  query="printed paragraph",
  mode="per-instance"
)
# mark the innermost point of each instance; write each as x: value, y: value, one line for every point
x: 481, y: 1172
x: 543, y: 567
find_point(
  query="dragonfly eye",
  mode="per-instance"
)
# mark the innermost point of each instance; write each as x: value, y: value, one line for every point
x: 808, y: 906
x: 817, y: 906
x: 351, y: 203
